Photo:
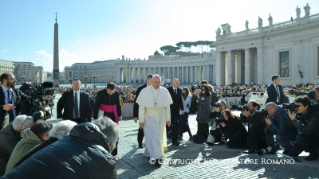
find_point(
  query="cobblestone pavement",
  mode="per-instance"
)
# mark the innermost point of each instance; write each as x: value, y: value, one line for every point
x: 204, y: 161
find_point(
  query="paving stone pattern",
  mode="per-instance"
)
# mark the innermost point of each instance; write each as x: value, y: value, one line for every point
x: 207, y: 161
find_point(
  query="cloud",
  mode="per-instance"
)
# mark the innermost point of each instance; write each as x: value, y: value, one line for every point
x: 42, y: 55
x: 80, y: 41
x: 4, y: 51
x: 65, y: 53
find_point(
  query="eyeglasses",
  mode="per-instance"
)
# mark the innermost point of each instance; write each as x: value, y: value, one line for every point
x: 297, y: 106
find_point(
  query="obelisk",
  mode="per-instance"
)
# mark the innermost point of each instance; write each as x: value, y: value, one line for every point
x: 56, y: 71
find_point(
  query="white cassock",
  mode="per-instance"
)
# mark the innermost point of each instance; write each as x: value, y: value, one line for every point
x: 154, y: 112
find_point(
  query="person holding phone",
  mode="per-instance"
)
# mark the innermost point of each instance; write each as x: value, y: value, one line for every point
x: 203, y: 113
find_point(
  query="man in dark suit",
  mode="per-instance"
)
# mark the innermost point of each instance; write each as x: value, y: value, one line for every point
x: 176, y: 94
x: 140, y: 134
x: 10, y: 98
x: 76, y: 104
x: 275, y: 91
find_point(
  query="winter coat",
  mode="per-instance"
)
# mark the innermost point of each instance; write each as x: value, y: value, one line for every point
x: 8, y: 140
x: 85, y: 153
x: 28, y: 142
x: 204, y: 109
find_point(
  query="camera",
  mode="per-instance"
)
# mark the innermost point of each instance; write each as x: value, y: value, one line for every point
x: 243, y: 108
x: 262, y: 112
x: 42, y: 94
x: 290, y: 106
x: 219, y: 120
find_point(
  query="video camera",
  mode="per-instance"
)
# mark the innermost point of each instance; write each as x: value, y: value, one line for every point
x: 290, y: 106
x: 42, y: 94
x: 262, y: 112
x: 243, y: 108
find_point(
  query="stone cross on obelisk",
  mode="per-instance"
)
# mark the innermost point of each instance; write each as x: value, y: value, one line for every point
x: 56, y: 71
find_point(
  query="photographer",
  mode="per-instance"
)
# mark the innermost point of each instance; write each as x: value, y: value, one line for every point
x: 307, y: 123
x: 204, y: 110
x: 276, y: 125
x: 217, y: 114
x: 234, y: 130
x: 256, y: 125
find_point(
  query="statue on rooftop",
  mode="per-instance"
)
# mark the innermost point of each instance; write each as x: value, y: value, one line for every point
x: 260, y: 22
x: 246, y: 25
x: 307, y: 10
x: 298, y: 12
x: 270, y: 20
x: 218, y: 32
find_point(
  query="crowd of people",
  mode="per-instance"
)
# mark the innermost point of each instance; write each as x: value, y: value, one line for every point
x: 84, y: 141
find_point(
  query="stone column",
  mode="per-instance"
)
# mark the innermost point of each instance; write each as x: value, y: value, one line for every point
x: 247, y: 66
x: 260, y: 65
x: 183, y: 77
x: 191, y: 75
x: 270, y: 66
x: 238, y: 68
x: 217, y: 69
x: 134, y: 75
x: 145, y: 76
x: 178, y: 74
x: 126, y: 74
x: 229, y: 68
x: 200, y: 74
x: 306, y: 62
x: 195, y: 74
x: 296, y: 61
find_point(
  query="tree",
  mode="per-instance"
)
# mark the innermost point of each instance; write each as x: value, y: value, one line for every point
x: 167, y: 49
x: 156, y: 53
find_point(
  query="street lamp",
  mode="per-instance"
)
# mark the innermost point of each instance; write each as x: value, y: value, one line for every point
x: 94, y: 76
x: 85, y: 76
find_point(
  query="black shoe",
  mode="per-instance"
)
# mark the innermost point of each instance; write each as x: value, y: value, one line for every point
x: 140, y: 145
x: 200, y: 142
x: 312, y: 156
x: 286, y: 151
x: 158, y: 162
x: 250, y: 151
x: 221, y: 143
x: 176, y: 143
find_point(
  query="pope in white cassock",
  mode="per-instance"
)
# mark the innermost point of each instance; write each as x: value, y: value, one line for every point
x: 154, y: 113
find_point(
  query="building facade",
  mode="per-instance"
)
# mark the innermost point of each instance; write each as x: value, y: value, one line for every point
x: 189, y: 69
x: 6, y: 66
x: 289, y: 49
x: 28, y: 72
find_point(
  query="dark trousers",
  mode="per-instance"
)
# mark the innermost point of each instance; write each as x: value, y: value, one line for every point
x: 284, y: 140
x: 309, y: 143
x: 174, y: 128
x: 202, y: 131
x: 217, y: 135
x: 140, y: 135
x: 234, y: 143
x: 257, y: 138
x: 183, y: 125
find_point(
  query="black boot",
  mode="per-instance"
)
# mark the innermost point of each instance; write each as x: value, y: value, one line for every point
x: 295, y: 150
x: 140, y: 145
x: 312, y: 156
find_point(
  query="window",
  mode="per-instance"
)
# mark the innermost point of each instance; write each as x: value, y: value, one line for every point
x: 284, y: 64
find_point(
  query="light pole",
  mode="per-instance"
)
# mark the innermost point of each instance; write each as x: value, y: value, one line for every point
x: 85, y: 76
x: 94, y: 76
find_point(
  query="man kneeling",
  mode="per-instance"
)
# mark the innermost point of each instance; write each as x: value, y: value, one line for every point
x: 85, y: 153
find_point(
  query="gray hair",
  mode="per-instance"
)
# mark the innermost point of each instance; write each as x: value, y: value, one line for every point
x: 272, y: 105
x: 108, y: 128
x: 156, y: 75
x: 61, y: 129
x: 22, y: 122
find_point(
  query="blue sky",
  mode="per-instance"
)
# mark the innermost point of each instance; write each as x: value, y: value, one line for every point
x: 102, y: 29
